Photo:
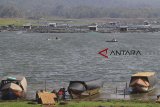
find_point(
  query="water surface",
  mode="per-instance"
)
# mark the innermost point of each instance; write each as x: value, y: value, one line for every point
x: 40, y: 57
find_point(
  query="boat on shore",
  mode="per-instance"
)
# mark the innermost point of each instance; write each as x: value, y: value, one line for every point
x: 13, y: 87
x: 84, y: 88
x: 142, y: 82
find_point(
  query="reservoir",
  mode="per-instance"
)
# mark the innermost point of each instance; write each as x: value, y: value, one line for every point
x: 42, y: 58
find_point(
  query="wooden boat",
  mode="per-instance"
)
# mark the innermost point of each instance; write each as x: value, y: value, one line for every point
x: 84, y: 88
x: 142, y: 82
x: 13, y: 87
x: 113, y: 40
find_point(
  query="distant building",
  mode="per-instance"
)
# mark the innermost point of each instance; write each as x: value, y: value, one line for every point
x: 62, y: 25
x: 113, y: 23
x: 27, y: 26
x: 93, y: 27
x: 146, y: 22
x: 123, y: 28
x: 52, y: 24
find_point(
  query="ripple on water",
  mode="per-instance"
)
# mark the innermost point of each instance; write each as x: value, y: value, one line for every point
x: 75, y: 56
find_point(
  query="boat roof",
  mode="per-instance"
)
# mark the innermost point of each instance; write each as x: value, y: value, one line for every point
x: 13, y: 77
x: 143, y: 74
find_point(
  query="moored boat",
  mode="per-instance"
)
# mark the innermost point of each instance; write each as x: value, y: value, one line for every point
x: 13, y: 87
x: 84, y: 88
x: 142, y: 82
x: 113, y: 40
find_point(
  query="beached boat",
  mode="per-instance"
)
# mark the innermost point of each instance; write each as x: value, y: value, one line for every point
x: 84, y: 88
x: 13, y: 87
x: 142, y: 81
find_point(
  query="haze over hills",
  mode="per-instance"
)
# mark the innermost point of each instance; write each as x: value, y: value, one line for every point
x: 80, y: 8
x: 98, y: 3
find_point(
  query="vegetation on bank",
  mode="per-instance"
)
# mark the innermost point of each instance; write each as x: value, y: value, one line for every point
x: 22, y: 21
x: 18, y: 104
x: 13, y: 21
x: 112, y: 103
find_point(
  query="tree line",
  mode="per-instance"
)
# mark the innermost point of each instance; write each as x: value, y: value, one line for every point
x: 9, y: 11
x: 79, y: 12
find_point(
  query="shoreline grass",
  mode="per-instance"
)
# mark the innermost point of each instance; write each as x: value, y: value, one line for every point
x: 11, y: 21
x: 22, y: 21
x: 109, y: 103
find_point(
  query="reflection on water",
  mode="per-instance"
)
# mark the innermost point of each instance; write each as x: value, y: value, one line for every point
x: 40, y: 57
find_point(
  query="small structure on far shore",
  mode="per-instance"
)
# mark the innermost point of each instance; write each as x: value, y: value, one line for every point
x: 27, y: 26
x: 123, y: 28
x: 52, y: 24
x: 93, y: 27
x: 113, y: 23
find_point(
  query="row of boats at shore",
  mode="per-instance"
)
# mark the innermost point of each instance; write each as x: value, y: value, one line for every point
x: 13, y: 87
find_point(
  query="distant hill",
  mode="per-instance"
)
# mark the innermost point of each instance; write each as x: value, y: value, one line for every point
x: 98, y: 3
x: 80, y: 8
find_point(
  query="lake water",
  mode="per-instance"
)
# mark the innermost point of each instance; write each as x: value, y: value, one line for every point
x: 40, y: 57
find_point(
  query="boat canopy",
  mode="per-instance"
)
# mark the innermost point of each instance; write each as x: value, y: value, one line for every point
x: 140, y: 82
x: 144, y: 78
x: 12, y: 86
x: 143, y: 74
x: 87, y: 83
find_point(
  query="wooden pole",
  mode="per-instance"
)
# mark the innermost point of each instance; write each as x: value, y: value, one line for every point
x: 116, y: 90
x: 45, y: 86
x: 124, y: 93
x: 126, y: 85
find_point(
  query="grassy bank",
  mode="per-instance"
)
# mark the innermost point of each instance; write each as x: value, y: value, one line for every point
x: 112, y: 104
x: 22, y: 21
x: 18, y: 104
x: 118, y: 103
x: 15, y: 21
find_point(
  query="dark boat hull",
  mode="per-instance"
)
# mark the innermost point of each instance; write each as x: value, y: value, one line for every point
x: 85, y: 93
x: 79, y: 89
x: 12, y: 94
x: 13, y: 87
x: 139, y: 89
x: 111, y: 41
